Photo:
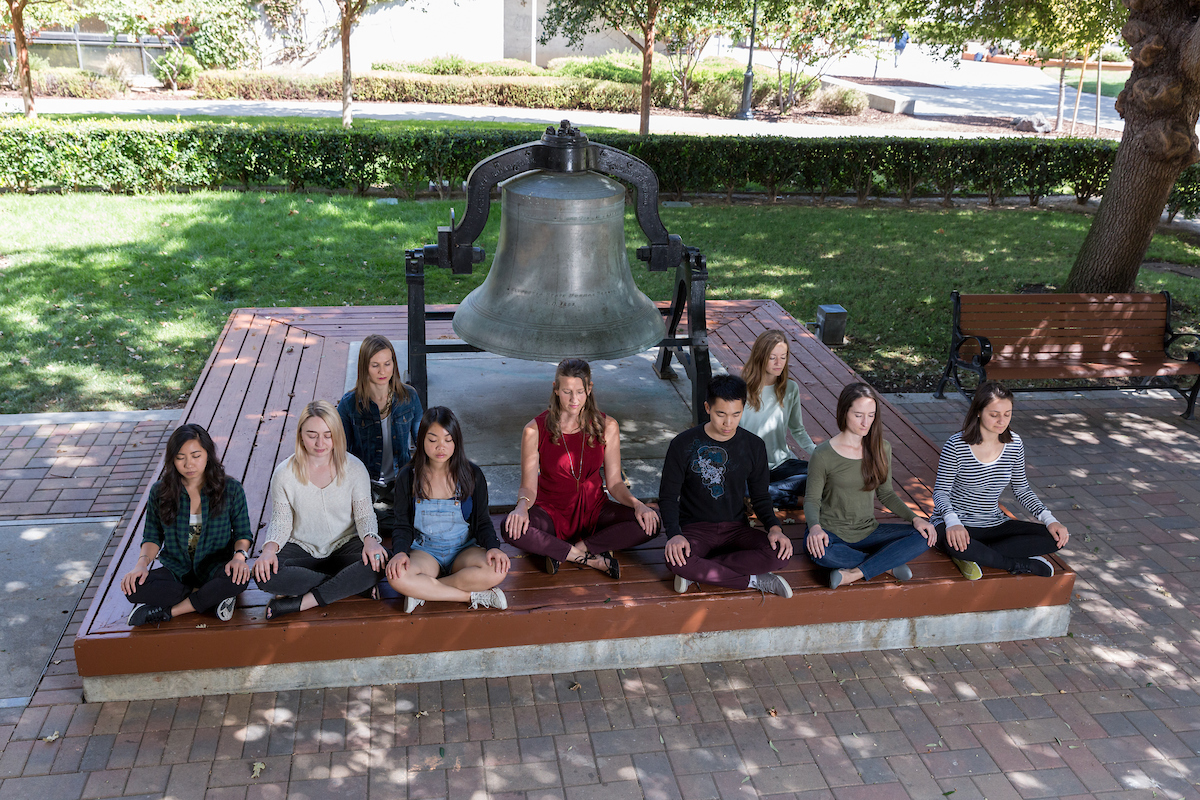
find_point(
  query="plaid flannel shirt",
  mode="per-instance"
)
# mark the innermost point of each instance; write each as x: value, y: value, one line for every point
x: 218, y: 533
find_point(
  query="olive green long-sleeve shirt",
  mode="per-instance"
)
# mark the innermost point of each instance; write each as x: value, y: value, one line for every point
x: 835, y: 500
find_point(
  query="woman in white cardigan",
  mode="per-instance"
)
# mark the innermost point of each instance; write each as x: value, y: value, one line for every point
x: 323, y: 542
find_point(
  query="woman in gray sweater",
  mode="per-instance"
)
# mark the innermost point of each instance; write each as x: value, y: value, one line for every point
x: 323, y: 542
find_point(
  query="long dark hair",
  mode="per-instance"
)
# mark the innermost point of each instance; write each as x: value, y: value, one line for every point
x: 590, y: 418
x: 370, y: 347
x: 459, y: 466
x: 987, y: 392
x: 171, y: 482
x: 874, y: 463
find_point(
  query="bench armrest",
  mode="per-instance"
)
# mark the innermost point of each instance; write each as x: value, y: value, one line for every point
x: 1171, y: 337
x: 985, y: 349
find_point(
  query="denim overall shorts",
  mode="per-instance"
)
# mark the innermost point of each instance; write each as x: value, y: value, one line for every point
x: 441, y: 531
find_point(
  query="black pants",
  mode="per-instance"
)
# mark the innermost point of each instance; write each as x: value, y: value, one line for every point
x: 340, y: 574
x: 1001, y: 546
x: 163, y: 589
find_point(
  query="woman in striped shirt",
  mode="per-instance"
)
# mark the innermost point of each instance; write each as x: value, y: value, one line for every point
x: 975, y: 467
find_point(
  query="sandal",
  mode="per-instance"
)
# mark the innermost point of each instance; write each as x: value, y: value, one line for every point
x: 551, y: 566
x: 283, y: 605
x: 612, y: 567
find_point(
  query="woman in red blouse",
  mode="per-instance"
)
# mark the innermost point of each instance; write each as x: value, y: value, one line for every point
x: 563, y: 512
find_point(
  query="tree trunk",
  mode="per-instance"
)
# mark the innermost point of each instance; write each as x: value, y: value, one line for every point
x: 1160, y: 104
x: 1124, y: 224
x: 647, y: 62
x: 1099, y: 87
x: 347, y: 82
x: 1062, y: 92
x: 16, y: 11
x: 1079, y: 92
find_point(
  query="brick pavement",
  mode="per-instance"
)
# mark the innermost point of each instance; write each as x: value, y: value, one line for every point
x: 77, y: 468
x: 1110, y: 711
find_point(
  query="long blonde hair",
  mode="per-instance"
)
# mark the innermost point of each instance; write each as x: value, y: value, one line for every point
x: 329, y: 415
x: 756, y: 367
x: 590, y: 418
x: 370, y: 347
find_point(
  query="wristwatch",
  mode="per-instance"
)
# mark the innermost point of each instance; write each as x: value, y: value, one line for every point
x: 244, y: 553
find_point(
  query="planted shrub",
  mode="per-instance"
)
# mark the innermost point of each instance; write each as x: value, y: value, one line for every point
x: 132, y: 156
x: 841, y: 100
x: 177, y: 68
x: 719, y: 97
x: 63, y: 82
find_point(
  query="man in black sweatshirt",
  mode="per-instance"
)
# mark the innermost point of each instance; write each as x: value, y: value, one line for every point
x: 705, y: 475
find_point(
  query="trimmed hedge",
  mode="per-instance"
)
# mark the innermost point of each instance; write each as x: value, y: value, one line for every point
x: 412, y: 87
x: 65, y: 82
x: 132, y: 156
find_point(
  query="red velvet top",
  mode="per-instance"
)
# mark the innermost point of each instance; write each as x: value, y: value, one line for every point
x: 570, y: 487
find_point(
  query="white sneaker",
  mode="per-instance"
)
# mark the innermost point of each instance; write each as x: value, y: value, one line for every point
x: 682, y: 584
x: 225, y: 608
x: 411, y: 603
x: 492, y: 598
x: 770, y: 582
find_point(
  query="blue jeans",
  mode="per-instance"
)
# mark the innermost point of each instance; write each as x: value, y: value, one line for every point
x: 889, y: 545
x: 787, y: 483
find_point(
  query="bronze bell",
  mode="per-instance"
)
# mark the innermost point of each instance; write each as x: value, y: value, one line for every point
x: 560, y: 284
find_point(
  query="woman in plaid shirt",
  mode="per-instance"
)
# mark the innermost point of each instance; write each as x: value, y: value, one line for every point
x: 198, y: 529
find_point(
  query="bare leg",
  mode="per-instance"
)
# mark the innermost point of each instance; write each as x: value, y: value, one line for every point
x: 850, y: 575
x: 184, y: 607
x: 420, y: 580
x: 471, y: 572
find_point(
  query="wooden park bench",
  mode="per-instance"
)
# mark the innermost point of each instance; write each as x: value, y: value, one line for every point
x: 1065, y: 337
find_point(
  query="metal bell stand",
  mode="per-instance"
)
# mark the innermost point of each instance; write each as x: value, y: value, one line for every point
x: 567, y: 150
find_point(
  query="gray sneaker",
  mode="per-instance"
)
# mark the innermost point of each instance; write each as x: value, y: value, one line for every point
x: 225, y: 608
x: 770, y: 582
x: 492, y: 598
x: 682, y: 584
x: 411, y: 603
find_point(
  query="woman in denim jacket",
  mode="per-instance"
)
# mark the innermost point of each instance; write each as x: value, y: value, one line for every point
x: 380, y: 394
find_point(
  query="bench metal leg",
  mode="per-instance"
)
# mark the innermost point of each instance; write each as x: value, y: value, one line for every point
x: 942, y: 383
x: 1190, y: 413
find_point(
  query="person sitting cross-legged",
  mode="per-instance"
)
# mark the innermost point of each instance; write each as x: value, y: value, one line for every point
x: 976, y: 465
x: 845, y: 476
x: 323, y: 543
x: 705, y: 473
x: 198, y: 528
x: 445, y: 546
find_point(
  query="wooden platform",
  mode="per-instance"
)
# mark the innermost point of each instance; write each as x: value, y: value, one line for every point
x: 268, y: 363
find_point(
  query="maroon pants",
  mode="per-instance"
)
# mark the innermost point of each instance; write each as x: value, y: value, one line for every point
x: 727, y: 554
x: 616, y: 528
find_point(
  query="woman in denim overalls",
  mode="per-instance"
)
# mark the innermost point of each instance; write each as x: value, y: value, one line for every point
x: 445, y: 546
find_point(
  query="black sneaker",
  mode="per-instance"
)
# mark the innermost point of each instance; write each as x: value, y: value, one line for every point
x: 148, y: 615
x: 1033, y: 566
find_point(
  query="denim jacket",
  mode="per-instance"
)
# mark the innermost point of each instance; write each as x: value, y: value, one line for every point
x: 364, y: 431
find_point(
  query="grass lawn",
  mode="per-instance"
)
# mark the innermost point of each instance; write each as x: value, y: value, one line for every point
x: 1114, y: 82
x: 360, y: 122
x: 115, y: 302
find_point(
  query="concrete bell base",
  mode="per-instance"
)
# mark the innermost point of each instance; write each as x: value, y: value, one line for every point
x: 646, y: 651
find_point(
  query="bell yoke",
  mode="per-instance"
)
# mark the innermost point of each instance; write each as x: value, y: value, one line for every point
x: 560, y: 285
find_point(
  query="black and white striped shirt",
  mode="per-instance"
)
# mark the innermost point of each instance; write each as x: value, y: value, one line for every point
x: 967, y: 491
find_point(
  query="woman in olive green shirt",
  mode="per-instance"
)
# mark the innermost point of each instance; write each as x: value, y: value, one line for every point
x: 845, y: 475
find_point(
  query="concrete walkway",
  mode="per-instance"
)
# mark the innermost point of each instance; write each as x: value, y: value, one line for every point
x: 1111, y: 711
x: 976, y: 89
